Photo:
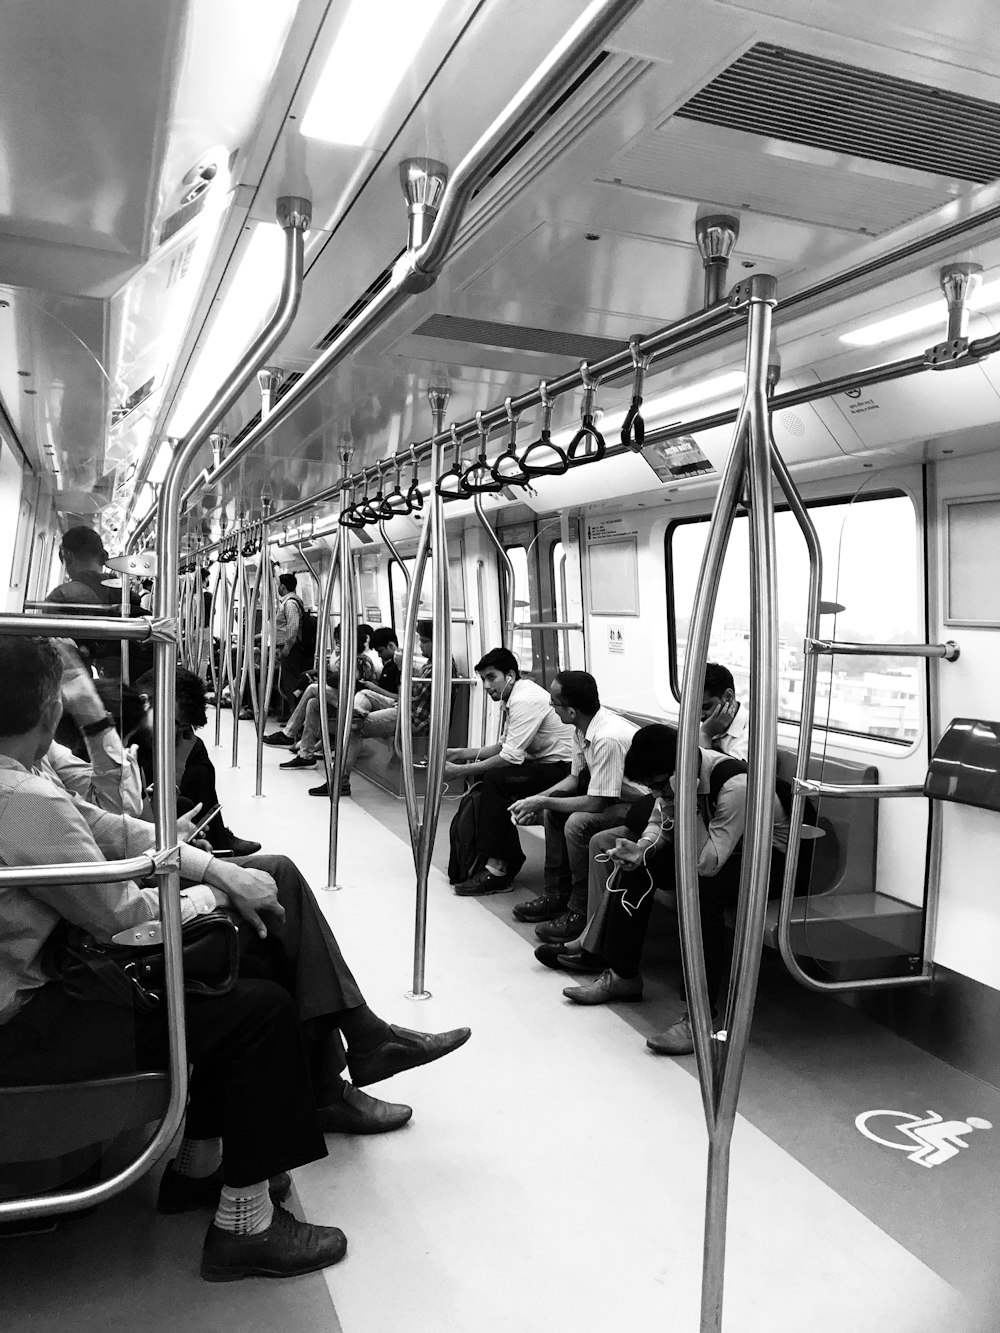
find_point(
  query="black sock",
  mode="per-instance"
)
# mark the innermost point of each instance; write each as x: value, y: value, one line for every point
x: 363, y: 1029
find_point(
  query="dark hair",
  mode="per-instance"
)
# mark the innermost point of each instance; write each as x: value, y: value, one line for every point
x: 84, y: 543
x: 366, y: 631
x: 381, y: 638
x: 718, y: 679
x: 500, y: 659
x: 425, y: 629
x: 653, y: 753
x: 124, y: 703
x: 288, y: 581
x: 31, y: 671
x: 189, y: 691
x: 579, y: 691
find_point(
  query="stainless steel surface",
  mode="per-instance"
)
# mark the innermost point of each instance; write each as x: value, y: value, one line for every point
x: 959, y: 283
x: 721, y: 1055
x: 716, y: 236
x: 549, y: 624
x: 145, y: 629
x: 813, y: 787
x: 239, y: 614
x: 949, y: 651
x: 345, y: 683
x: 86, y: 872
x: 507, y: 572
x: 323, y: 633
x: 268, y: 644
x: 423, y: 180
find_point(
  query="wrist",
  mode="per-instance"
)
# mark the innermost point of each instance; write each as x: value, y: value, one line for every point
x: 104, y: 722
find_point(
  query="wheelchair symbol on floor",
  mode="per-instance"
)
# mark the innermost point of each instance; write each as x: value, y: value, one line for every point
x: 928, y: 1140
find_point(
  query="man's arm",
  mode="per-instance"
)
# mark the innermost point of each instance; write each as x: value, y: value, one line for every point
x: 562, y: 798
x: 726, y: 829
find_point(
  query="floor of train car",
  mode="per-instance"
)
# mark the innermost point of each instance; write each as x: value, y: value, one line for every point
x: 553, y: 1174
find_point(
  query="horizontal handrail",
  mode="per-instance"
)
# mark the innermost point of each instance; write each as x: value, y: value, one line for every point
x: 145, y: 629
x: 548, y: 624
x: 86, y: 872
x: 85, y: 608
x: 874, y: 790
x: 950, y: 651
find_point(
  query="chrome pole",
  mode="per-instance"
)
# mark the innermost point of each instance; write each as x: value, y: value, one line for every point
x: 345, y: 681
x: 408, y: 647
x: 238, y: 613
x: 508, y: 571
x: 268, y: 636
x: 716, y: 1051
x: 215, y: 659
x: 441, y: 687
x: 323, y: 655
x: 126, y: 609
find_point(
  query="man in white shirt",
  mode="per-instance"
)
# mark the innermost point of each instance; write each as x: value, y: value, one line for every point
x: 532, y: 755
x: 724, y: 722
x: 593, y: 797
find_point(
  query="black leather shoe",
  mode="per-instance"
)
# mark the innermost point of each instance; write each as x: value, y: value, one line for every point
x: 286, y: 1249
x: 543, y: 908
x: 403, y: 1050
x: 568, y: 926
x: 482, y: 884
x: 548, y: 954
x: 359, y: 1113
x: 182, y: 1194
x: 584, y: 961
x: 238, y: 846
x: 278, y: 738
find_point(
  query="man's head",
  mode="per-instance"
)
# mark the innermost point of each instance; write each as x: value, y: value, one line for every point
x: 385, y: 644
x: 82, y: 551
x: 652, y: 757
x: 499, y: 672
x: 287, y: 583
x: 365, y: 633
x: 189, y: 692
x: 425, y: 637
x: 30, y: 701
x: 574, y: 697
x: 719, y: 688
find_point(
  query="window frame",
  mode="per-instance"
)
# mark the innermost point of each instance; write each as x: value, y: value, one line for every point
x: 888, y: 493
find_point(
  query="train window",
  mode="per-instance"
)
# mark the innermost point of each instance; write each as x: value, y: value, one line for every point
x: 568, y: 597
x: 522, y: 645
x: 871, y: 560
x: 456, y: 590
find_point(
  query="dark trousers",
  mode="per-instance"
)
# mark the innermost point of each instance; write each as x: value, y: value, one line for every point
x: 197, y: 785
x: 261, y: 1055
x: 624, y: 930
x: 290, y: 671
x: 500, y: 787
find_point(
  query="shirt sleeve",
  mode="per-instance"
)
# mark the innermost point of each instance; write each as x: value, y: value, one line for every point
x: 112, y: 779
x: 736, y: 746
x: 120, y: 836
x: 524, y: 717
x: 293, y: 618
x: 726, y: 827
x: 661, y: 822
x: 607, y: 767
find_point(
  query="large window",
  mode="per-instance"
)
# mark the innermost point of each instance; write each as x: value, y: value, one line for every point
x: 871, y: 570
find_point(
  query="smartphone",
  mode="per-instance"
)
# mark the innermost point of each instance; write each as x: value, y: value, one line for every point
x: 204, y: 822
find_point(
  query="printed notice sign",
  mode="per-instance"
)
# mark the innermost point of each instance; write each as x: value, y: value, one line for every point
x: 373, y: 615
x: 610, y: 529
x: 616, y: 639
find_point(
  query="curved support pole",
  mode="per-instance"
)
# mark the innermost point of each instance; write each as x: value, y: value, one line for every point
x: 256, y: 585
x: 323, y: 655
x: 408, y: 647
x: 721, y: 1055
x: 238, y: 676
x: 268, y: 641
x: 508, y: 572
x: 345, y: 682
x: 126, y: 609
x: 217, y: 612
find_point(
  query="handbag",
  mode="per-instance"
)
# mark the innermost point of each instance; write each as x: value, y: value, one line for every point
x: 134, y: 976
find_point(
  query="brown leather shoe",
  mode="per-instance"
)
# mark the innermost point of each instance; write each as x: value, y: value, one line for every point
x: 403, y: 1050
x: 358, y: 1113
x: 287, y: 1248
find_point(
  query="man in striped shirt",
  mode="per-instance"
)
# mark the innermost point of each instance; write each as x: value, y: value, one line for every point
x: 593, y: 797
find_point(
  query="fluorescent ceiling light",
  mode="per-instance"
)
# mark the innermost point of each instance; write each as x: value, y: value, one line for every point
x: 251, y: 297
x: 144, y: 501
x: 377, y: 43
x: 915, y: 321
x: 161, y: 462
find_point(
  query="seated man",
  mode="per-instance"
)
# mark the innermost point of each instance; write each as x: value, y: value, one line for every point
x: 724, y: 721
x: 266, y: 1057
x: 386, y: 647
x: 83, y: 554
x: 302, y: 730
x: 532, y: 756
x: 595, y: 796
x: 196, y: 772
x: 616, y: 931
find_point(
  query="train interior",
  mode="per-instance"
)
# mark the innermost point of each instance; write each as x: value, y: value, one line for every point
x: 554, y: 1173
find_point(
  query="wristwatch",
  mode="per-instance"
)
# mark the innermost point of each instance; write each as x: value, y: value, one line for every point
x: 105, y: 723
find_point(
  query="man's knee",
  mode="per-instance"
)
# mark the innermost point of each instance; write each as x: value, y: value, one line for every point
x: 581, y: 826
x: 605, y: 839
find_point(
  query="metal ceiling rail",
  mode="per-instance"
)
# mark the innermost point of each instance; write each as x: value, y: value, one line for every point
x: 420, y: 266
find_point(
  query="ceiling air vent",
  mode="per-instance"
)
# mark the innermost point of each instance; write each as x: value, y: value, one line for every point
x: 805, y: 99
x: 370, y: 292
x: 517, y: 337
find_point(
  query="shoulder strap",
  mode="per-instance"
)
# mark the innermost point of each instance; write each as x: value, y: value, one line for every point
x: 720, y: 775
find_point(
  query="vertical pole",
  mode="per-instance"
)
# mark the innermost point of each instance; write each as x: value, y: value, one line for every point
x: 238, y: 614
x: 441, y: 686
x: 345, y: 682
x: 268, y: 380
x: 716, y: 237
x: 126, y: 608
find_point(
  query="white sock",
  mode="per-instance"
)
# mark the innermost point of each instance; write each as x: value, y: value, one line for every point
x: 246, y: 1210
x: 494, y: 866
x: 198, y: 1157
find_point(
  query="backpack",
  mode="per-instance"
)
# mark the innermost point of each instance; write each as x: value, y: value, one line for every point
x: 463, y: 860
x: 729, y: 768
x: 308, y: 626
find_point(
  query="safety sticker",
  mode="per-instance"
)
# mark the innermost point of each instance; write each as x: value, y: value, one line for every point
x: 927, y: 1140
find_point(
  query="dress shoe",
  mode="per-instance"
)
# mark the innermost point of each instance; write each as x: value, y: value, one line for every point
x: 403, y: 1050
x: 278, y: 738
x: 544, y: 908
x: 229, y: 842
x: 286, y: 1249
x: 677, y: 1040
x: 483, y: 883
x: 300, y: 761
x: 358, y: 1113
x: 569, y: 926
x: 182, y: 1194
x: 608, y: 987
x: 580, y: 961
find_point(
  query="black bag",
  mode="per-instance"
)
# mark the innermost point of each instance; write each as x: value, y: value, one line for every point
x: 134, y: 975
x: 305, y: 644
x: 463, y: 860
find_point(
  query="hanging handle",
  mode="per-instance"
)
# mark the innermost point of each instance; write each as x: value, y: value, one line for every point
x: 508, y: 470
x: 549, y: 460
x: 633, y: 427
x: 414, y: 496
x: 478, y: 476
x: 579, y: 451
x: 451, y: 484
x: 396, y: 502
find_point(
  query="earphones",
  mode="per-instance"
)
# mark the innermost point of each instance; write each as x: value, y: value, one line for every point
x: 666, y: 826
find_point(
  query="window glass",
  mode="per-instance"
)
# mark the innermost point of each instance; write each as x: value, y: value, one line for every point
x: 522, y: 645
x: 568, y: 596
x: 870, y: 569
